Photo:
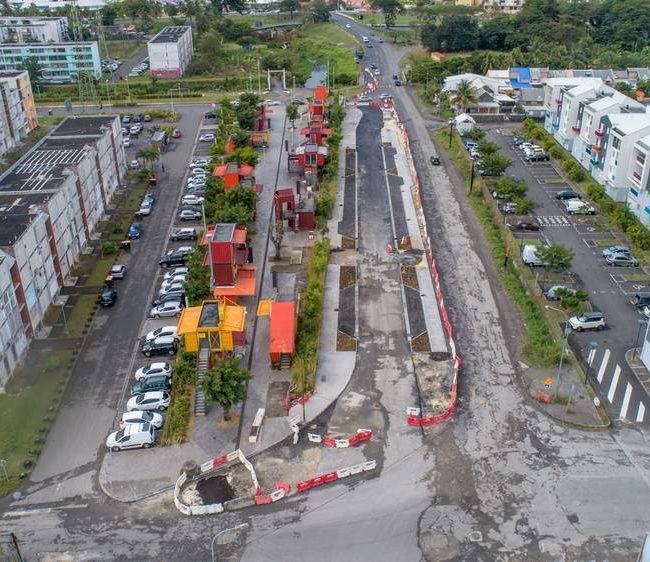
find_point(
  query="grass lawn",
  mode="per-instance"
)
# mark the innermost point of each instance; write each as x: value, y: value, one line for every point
x: 605, y: 242
x: 122, y: 49
x: 80, y: 314
x: 135, y: 196
x: 637, y: 277
x: 266, y: 20
x: 23, y: 414
x: 378, y: 19
x: 100, y: 270
x: 330, y: 33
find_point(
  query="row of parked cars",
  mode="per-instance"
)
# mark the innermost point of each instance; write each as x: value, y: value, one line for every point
x: 475, y: 154
x: 140, y: 68
x: 530, y: 151
x: 150, y: 394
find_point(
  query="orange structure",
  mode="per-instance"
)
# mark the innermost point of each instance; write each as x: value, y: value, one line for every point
x: 235, y: 175
x: 282, y: 331
x: 221, y: 324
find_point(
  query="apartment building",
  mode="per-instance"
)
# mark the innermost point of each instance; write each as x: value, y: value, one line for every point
x: 508, y: 6
x: 170, y: 52
x: 554, y: 90
x: 17, y: 109
x: 639, y: 177
x: 50, y: 203
x: 61, y: 62
x: 30, y: 29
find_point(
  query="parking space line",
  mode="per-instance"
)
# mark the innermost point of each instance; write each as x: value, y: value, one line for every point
x: 614, y: 384
x: 626, y: 400
x: 641, y: 413
x: 603, y: 366
x: 591, y: 356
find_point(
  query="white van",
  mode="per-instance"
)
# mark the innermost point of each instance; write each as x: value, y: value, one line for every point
x: 530, y: 257
x: 578, y: 207
x: 365, y: 39
x: 131, y: 436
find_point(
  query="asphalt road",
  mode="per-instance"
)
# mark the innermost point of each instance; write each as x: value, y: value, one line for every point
x: 608, y: 291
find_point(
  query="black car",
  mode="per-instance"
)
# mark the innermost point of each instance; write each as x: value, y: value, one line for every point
x: 640, y: 301
x: 210, y: 115
x: 165, y: 345
x: 183, y: 234
x: 435, y: 161
x: 173, y: 259
x: 567, y: 194
x: 108, y: 296
x: 151, y: 384
x: 172, y: 296
x: 137, y: 118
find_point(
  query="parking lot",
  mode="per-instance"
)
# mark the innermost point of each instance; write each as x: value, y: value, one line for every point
x: 610, y: 288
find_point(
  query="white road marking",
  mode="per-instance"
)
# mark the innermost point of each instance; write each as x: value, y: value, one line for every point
x: 626, y: 400
x: 591, y: 356
x: 603, y: 366
x: 612, y: 387
x: 641, y: 413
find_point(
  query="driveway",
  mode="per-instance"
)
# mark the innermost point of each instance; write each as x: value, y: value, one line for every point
x: 610, y: 288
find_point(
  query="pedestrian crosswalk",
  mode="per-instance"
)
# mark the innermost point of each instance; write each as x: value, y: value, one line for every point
x: 626, y: 397
x: 553, y: 220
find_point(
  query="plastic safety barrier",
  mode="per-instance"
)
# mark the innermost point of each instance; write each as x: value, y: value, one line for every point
x: 336, y: 443
x: 333, y: 476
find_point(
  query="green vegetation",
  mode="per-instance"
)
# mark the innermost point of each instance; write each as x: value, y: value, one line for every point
x: 26, y: 412
x: 539, y: 347
x: 309, y: 318
x: 82, y: 311
x: 179, y: 413
x: 122, y: 50
x: 197, y: 282
x: 406, y: 18
x: 327, y: 183
x: 557, y: 256
x: 225, y: 384
x: 99, y: 271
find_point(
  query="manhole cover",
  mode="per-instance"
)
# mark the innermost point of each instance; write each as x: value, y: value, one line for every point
x: 475, y: 536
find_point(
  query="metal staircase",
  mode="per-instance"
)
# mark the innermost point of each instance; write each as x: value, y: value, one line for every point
x: 202, y: 365
x: 285, y: 361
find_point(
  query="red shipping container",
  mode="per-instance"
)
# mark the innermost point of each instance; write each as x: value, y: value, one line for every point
x: 224, y: 274
x: 222, y: 252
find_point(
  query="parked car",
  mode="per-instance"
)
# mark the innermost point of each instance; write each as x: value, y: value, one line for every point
x: 530, y: 257
x: 364, y: 99
x: 176, y: 134
x: 189, y: 215
x: 108, y: 296
x: 172, y: 296
x: 166, y: 310
x: 185, y: 250
x: 207, y: 137
x: 131, y: 436
x: 144, y: 210
x: 612, y: 250
x: 118, y: 271
x: 168, y: 284
x: 435, y: 161
x: 126, y: 119
x: 183, y: 233
x: 126, y: 142
x: 150, y: 384
x: 622, y: 260
x: 140, y: 416
x: 640, y: 300
x: 162, y: 331
x: 158, y: 368
x: 524, y: 225
x: 587, y: 321
x: 146, y: 118
x: 191, y: 199
x: 201, y: 161
x: 509, y: 208
x: 552, y: 293
x: 158, y: 400
x: 173, y: 258
x: 537, y: 156
x: 176, y: 271
x: 271, y: 103
x: 134, y: 164
x: 164, y: 345
x: 135, y: 231
x: 578, y: 207
x: 566, y: 194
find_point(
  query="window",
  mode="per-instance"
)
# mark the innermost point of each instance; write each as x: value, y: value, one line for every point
x: 616, y: 142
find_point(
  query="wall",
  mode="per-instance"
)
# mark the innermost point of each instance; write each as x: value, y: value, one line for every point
x: 13, y: 339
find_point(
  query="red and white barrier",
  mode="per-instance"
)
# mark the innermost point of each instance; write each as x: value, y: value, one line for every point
x: 359, y: 437
x: 335, y: 475
x: 282, y: 489
x: 256, y: 426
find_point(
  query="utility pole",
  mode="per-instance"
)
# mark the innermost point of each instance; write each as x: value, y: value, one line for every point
x: 259, y: 79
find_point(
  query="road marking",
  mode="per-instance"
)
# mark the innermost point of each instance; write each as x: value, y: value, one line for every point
x: 591, y: 356
x: 41, y: 510
x: 553, y: 220
x: 613, y: 384
x: 603, y: 366
x: 641, y: 413
x: 626, y: 400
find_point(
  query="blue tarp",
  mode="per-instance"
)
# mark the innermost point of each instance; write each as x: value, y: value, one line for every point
x: 519, y: 77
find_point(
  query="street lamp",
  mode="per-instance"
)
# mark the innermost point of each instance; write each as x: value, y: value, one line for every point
x: 451, y: 130
x: 567, y: 331
x: 236, y: 528
x: 641, y: 322
x: 471, y: 179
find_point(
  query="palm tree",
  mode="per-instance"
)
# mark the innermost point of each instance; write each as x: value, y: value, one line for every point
x: 464, y: 96
x: 149, y: 154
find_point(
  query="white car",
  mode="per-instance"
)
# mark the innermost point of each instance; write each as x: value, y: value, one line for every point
x: 192, y: 200
x: 140, y: 416
x: 271, y: 103
x: 176, y: 271
x: 162, y: 331
x: 347, y: 26
x: 154, y: 400
x: 134, y: 164
x: 173, y: 281
x: 166, y: 310
x: 189, y: 215
x: 199, y: 162
x: 131, y: 436
x: 126, y: 143
x: 159, y: 368
x: 170, y: 287
x: 207, y: 137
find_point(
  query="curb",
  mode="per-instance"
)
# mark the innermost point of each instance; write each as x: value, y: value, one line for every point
x: 136, y: 499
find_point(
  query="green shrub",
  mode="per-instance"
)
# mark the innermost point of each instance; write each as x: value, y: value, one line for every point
x: 555, y: 151
x: 109, y: 248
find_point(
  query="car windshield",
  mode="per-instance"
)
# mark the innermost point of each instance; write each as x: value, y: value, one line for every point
x: 119, y: 435
x: 147, y: 416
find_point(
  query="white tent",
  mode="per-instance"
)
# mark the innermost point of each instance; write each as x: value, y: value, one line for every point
x: 464, y: 123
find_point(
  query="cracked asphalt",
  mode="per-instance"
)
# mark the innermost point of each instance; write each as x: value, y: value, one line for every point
x: 500, y: 481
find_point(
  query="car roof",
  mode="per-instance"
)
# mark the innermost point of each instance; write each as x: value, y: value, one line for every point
x: 592, y: 315
x: 165, y: 339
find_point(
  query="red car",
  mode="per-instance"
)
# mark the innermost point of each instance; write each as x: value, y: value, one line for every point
x: 176, y: 134
x: 524, y: 225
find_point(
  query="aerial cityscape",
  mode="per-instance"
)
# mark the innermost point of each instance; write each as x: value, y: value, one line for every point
x: 322, y: 281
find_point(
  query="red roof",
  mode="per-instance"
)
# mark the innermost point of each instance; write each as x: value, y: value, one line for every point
x: 282, y: 330
x: 320, y: 93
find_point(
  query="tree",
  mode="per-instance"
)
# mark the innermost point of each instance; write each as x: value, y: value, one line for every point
x: 109, y: 13
x: 292, y: 113
x: 486, y: 147
x: 505, y: 188
x: 464, y: 96
x: 246, y: 116
x: 290, y: 6
x: 555, y: 256
x: 150, y: 154
x: 494, y: 165
x: 225, y: 384
x: 277, y: 234
x: 197, y: 281
x: 320, y: 11
x: 35, y: 70
x: 453, y: 34
x: 390, y: 9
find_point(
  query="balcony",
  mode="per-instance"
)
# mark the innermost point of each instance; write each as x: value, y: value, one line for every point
x: 596, y: 148
x: 636, y: 176
x: 558, y: 101
x: 594, y: 161
x: 640, y: 159
x: 575, y: 128
x: 556, y: 125
x: 599, y: 133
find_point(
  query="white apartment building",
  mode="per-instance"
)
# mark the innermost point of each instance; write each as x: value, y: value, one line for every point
x: 170, y: 52
x: 33, y: 29
x: 17, y: 109
x: 13, y: 336
x: 613, y: 151
x: 639, y: 177
x: 554, y: 89
x: 571, y: 102
x: 53, y: 4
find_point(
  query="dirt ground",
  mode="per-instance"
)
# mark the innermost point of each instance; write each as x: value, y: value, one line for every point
x: 434, y: 380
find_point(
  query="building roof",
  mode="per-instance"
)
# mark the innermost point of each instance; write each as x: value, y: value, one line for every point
x: 628, y: 123
x: 282, y: 327
x: 11, y: 73
x: 170, y: 34
x: 86, y: 125
x: 519, y: 77
x: 601, y: 104
x: 532, y: 94
x: 16, y: 213
x: 644, y: 142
